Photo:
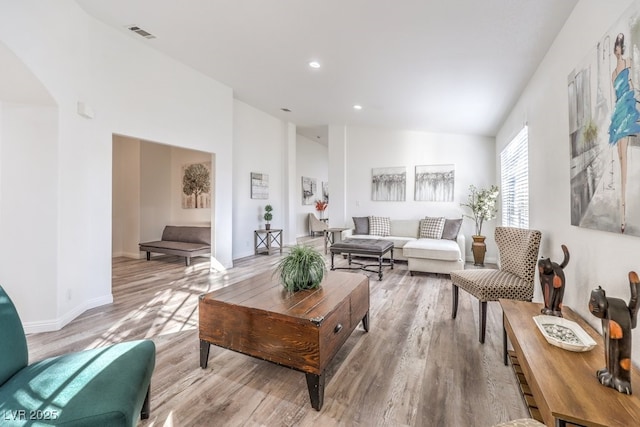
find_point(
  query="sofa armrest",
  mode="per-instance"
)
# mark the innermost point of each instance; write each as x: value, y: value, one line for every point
x: 346, y: 234
x: 461, y: 241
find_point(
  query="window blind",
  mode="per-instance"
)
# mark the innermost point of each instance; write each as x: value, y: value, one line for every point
x: 514, y: 168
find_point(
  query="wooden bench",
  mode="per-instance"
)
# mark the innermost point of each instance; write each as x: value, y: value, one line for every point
x: 186, y: 241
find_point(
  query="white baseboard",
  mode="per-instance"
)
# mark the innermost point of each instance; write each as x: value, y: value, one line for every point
x: 132, y: 255
x: 62, y: 321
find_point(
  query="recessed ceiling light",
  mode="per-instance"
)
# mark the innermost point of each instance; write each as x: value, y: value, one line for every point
x: 314, y: 64
x: 286, y: 110
x: 357, y: 107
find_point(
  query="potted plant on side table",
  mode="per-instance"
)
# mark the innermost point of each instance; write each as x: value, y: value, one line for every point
x: 268, y: 216
x: 482, y: 203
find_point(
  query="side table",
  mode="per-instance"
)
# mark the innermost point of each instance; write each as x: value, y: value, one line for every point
x: 264, y: 241
x: 330, y: 236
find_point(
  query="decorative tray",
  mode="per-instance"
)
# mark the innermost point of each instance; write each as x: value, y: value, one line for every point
x: 564, y: 333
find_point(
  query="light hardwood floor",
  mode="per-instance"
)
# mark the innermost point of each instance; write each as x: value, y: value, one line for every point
x: 415, y: 367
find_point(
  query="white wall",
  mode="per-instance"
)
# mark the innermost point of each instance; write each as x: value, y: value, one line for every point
x: 259, y: 145
x: 154, y: 195
x: 28, y: 212
x: 312, y: 161
x: 337, y: 174
x: 134, y: 91
x: 126, y: 197
x: 597, y: 257
x: 265, y: 144
x: 367, y: 148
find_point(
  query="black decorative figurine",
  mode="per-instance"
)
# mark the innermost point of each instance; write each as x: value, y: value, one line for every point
x: 618, y: 319
x: 552, y: 282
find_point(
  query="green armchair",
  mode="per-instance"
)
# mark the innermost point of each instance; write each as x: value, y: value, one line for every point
x: 106, y: 386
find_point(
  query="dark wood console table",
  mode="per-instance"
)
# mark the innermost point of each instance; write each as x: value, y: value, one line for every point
x: 561, y: 386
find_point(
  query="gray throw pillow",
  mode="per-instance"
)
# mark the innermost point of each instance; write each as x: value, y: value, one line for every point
x: 361, y: 224
x: 451, y: 228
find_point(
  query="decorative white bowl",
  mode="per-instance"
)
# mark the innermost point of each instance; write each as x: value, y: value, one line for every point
x: 564, y: 333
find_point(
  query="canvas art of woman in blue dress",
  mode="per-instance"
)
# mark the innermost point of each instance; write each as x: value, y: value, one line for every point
x: 625, y: 117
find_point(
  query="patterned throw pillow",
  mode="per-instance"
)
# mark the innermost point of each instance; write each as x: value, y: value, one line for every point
x: 361, y: 224
x: 379, y: 226
x: 431, y: 228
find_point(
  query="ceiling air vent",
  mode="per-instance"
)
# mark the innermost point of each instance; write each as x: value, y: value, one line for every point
x: 141, y: 32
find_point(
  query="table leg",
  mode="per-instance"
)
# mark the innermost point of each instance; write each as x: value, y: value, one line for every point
x: 204, y: 353
x: 276, y: 238
x: 454, y: 304
x: 332, y: 267
x: 380, y: 267
x: 365, y: 322
x: 326, y: 238
x: 391, y: 258
x: 255, y: 243
x: 315, y: 384
x: 504, y: 342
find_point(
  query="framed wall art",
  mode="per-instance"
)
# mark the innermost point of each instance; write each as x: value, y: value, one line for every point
x: 309, y: 190
x: 196, y: 186
x: 389, y: 184
x: 604, y: 128
x: 259, y: 185
x: 434, y: 183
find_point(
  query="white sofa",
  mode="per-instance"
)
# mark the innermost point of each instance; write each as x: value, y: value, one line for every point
x: 421, y: 254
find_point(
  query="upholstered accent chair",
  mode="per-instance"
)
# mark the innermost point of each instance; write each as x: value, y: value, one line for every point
x: 316, y: 226
x: 106, y: 386
x: 514, y: 278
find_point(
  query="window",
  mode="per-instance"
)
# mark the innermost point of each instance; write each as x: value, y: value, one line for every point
x: 514, y: 168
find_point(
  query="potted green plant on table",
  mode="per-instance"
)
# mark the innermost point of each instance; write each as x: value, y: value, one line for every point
x: 303, y: 268
x: 268, y: 216
x: 482, y: 203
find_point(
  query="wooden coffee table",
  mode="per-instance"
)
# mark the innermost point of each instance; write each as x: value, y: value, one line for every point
x: 301, y: 330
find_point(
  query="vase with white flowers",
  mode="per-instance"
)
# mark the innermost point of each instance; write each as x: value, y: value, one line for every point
x: 482, y: 203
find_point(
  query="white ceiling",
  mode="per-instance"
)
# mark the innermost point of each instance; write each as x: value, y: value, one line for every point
x: 453, y: 66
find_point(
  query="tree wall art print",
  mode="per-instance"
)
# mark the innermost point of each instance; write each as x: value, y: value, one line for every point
x: 604, y: 130
x: 196, y: 186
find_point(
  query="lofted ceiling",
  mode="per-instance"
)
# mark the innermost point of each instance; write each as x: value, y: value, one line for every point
x: 452, y: 66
